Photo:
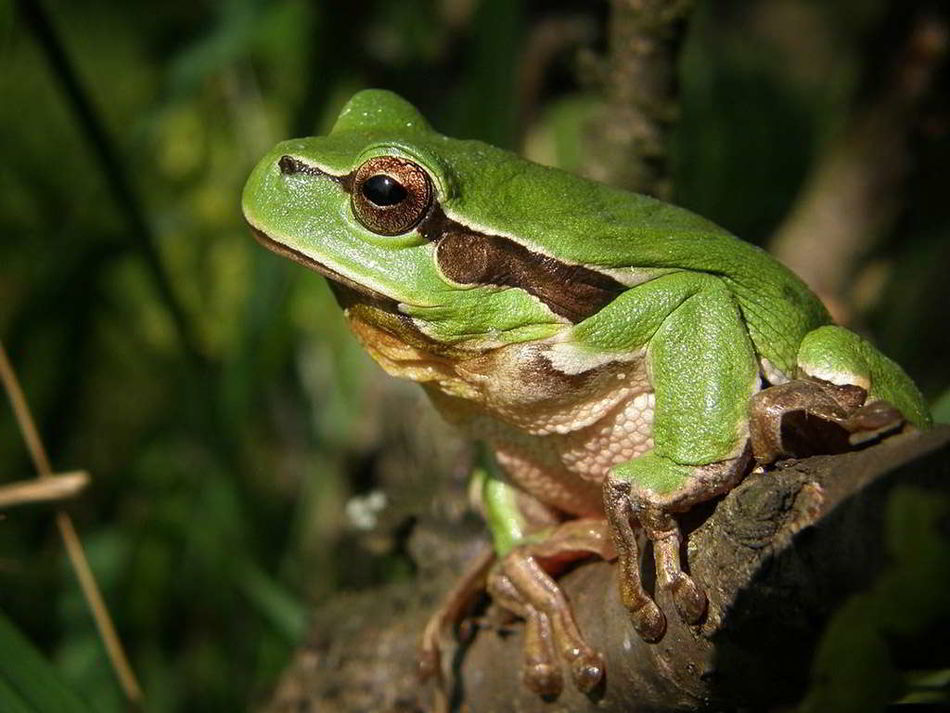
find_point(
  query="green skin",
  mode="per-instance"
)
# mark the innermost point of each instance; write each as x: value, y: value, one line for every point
x: 712, y: 315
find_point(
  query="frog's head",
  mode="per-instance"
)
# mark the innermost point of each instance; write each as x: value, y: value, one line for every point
x: 412, y: 222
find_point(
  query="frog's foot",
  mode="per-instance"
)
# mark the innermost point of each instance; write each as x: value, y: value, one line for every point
x: 450, y: 613
x: 807, y: 417
x: 521, y: 584
x: 648, y: 491
x: 647, y: 618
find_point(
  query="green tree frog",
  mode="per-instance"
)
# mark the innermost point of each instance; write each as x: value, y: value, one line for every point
x: 622, y: 359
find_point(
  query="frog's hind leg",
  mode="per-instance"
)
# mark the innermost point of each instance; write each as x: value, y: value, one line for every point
x: 834, y: 354
x: 847, y: 393
x: 805, y: 417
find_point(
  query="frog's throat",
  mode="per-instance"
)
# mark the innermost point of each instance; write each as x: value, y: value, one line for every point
x: 378, y: 324
x: 329, y: 273
x: 404, y: 352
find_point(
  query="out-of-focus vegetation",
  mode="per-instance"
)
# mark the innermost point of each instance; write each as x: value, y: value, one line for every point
x: 222, y: 465
x: 853, y: 670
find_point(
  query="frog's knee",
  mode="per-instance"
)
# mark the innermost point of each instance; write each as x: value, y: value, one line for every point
x: 834, y: 354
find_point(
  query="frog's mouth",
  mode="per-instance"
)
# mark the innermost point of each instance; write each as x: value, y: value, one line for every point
x: 342, y: 285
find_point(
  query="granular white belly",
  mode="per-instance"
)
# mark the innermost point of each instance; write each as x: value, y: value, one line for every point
x: 564, y: 470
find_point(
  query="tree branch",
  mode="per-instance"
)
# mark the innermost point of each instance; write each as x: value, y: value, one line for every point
x: 778, y: 555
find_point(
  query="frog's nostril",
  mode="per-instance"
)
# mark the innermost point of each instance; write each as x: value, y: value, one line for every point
x: 288, y: 165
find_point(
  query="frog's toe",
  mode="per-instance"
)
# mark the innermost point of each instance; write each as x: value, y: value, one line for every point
x: 540, y: 670
x: 689, y: 600
x: 552, y: 638
x: 427, y: 662
x: 649, y: 621
x: 543, y: 678
x: 647, y: 618
x: 873, y: 420
x: 587, y: 670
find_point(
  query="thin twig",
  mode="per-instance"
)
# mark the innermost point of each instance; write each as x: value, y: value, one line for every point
x: 74, y: 550
x: 627, y: 145
x: 54, y: 488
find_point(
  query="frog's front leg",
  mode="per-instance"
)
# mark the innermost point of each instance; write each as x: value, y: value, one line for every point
x: 629, y: 502
x: 703, y: 370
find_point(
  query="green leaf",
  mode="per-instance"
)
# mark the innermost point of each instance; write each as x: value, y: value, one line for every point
x: 28, y: 682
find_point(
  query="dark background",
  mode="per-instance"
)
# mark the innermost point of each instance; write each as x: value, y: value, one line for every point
x: 211, y: 388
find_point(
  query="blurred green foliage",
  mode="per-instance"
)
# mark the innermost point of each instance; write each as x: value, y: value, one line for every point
x: 220, y: 478
x: 854, y: 670
x: 28, y: 684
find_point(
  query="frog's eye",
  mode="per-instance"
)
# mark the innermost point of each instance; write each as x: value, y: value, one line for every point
x: 390, y: 195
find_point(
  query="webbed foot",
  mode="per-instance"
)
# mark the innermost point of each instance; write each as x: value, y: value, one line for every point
x: 450, y: 613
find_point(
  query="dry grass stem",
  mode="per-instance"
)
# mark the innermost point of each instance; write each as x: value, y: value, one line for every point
x: 61, y: 486
x: 74, y: 550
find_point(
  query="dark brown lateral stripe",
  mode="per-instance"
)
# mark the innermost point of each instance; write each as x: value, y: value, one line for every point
x: 290, y: 166
x: 472, y: 258
x: 571, y: 291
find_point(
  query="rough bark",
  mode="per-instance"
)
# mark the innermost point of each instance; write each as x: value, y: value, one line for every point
x: 777, y: 555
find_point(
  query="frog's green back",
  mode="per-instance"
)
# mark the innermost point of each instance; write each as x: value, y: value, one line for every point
x: 580, y: 221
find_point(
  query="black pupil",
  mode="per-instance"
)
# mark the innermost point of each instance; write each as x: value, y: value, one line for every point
x: 383, y: 190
